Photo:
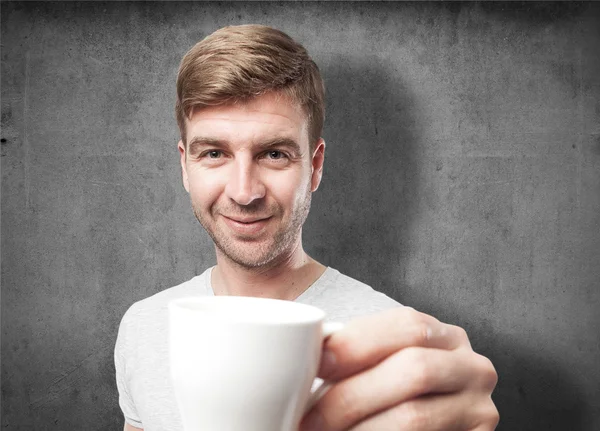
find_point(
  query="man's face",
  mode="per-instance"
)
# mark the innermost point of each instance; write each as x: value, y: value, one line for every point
x: 250, y: 175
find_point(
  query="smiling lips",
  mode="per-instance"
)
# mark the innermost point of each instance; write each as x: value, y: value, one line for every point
x: 246, y: 225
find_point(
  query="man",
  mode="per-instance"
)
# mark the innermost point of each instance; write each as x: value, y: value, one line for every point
x: 250, y: 112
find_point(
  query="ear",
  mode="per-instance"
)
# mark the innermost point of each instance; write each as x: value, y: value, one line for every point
x: 182, y: 157
x: 318, y: 158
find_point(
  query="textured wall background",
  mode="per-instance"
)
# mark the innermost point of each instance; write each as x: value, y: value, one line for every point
x: 462, y: 177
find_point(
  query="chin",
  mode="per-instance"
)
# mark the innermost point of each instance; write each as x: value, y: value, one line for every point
x: 250, y: 256
x: 250, y: 262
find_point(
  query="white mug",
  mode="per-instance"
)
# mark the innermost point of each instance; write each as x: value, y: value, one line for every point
x: 244, y: 363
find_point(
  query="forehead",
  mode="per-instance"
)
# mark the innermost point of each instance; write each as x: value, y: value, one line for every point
x: 271, y: 114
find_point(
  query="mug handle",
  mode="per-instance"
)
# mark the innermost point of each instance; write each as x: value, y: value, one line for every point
x: 320, y: 387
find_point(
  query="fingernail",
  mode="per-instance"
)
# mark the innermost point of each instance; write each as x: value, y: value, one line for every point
x: 313, y: 421
x: 328, y: 364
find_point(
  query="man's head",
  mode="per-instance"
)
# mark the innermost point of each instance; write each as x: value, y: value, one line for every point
x: 250, y: 109
x: 237, y: 63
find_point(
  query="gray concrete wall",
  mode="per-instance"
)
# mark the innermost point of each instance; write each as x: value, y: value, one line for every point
x: 462, y: 177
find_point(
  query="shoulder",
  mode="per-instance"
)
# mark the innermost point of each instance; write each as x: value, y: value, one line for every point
x: 343, y: 297
x: 155, y: 305
x: 336, y: 282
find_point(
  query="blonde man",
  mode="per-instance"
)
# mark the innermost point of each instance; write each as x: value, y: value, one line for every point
x: 250, y: 111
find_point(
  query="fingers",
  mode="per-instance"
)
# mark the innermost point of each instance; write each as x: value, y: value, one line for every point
x: 366, y: 341
x: 435, y: 413
x: 403, y: 376
x: 390, y: 367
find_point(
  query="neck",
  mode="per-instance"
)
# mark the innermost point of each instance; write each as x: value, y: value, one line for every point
x: 287, y: 278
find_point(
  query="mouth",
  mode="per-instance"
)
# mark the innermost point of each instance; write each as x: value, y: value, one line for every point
x: 246, y: 225
x: 246, y: 220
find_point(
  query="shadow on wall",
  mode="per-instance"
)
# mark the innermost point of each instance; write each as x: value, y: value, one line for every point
x: 538, y: 12
x: 533, y: 393
x: 361, y: 221
x: 362, y: 213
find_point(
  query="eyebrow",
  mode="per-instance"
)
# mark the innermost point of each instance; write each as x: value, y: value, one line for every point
x: 196, y: 143
x: 288, y: 143
x: 199, y: 142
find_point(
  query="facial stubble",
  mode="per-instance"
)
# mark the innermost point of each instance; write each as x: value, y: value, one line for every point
x: 251, y: 254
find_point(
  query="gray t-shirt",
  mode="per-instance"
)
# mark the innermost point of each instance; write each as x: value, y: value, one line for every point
x: 141, y: 352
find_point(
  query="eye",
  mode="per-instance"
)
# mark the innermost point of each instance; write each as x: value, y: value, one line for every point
x: 214, y: 154
x: 275, y: 154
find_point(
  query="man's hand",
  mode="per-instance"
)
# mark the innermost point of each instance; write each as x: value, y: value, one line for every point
x: 403, y: 370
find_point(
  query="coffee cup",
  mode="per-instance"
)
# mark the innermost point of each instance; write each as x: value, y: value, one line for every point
x: 245, y: 363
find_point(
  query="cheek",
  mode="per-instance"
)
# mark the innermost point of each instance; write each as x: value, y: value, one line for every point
x: 288, y: 188
x: 204, y: 188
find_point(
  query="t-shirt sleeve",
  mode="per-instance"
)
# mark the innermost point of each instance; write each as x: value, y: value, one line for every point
x: 123, y: 351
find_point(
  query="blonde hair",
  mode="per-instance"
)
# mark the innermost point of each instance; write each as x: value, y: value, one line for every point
x: 237, y: 63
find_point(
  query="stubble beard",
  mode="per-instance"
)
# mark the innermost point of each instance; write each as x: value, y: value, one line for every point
x: 249, y: 254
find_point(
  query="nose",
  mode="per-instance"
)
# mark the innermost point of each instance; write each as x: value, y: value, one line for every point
x: 244, y: 185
